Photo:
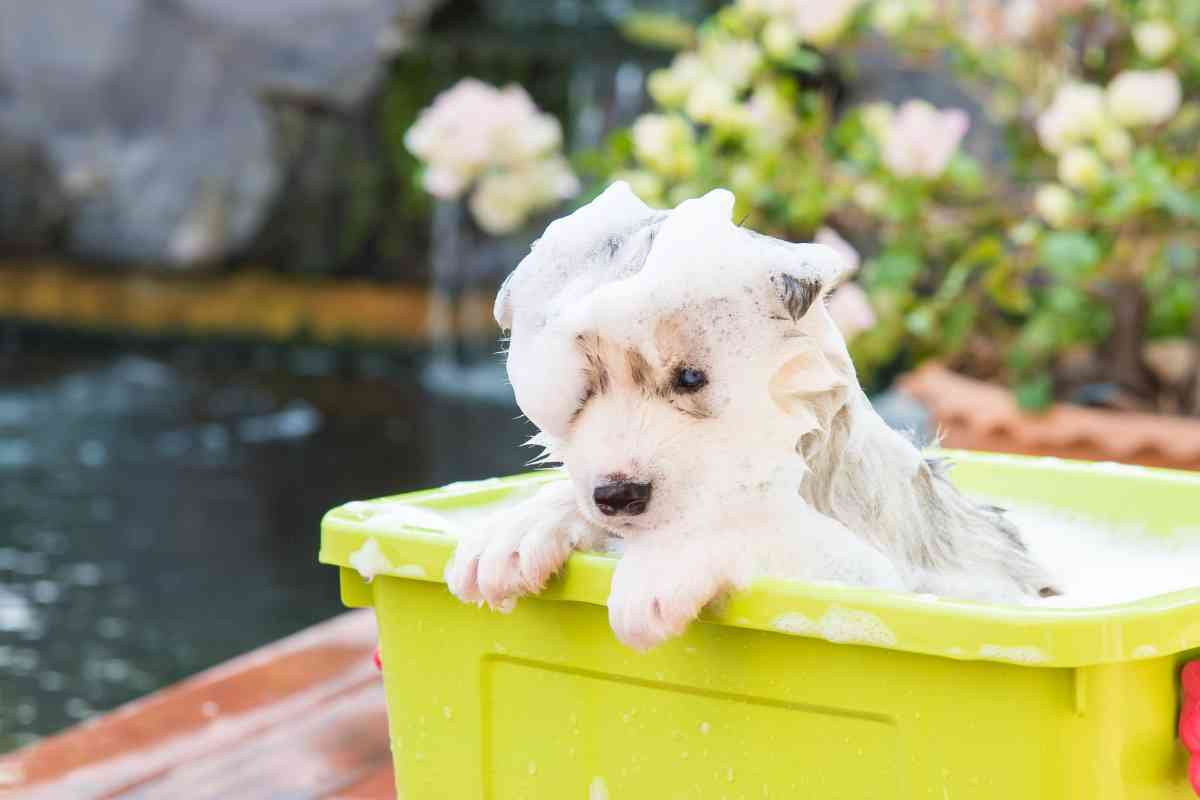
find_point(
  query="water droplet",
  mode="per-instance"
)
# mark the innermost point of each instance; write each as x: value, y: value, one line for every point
x: 76, y: 708
x: 447, y: 712
x: 532, y: 768
x: 705, y: 728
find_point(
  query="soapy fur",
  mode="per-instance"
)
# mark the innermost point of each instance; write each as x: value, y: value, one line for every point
x: 776, y: 465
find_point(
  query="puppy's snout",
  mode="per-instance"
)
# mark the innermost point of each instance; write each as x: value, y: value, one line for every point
x: 622, y: 497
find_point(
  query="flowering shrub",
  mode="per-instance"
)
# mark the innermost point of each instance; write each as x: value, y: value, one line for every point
x: 496, y: 145
x: 1067, y: 266
x: 753, y: 106
x: 1101, y: 189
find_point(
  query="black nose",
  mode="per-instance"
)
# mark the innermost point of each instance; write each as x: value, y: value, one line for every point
x: 622, y: 497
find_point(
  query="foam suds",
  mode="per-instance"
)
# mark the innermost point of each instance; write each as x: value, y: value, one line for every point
x: 391, y: 516
x: 1027, y: 654
x: 841, y: 625
x: 1099, y: 564
x: 369, y: 560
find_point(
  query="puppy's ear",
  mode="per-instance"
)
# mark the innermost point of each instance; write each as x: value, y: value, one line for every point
x: 806, y: 377
x: 797, y: 294
x: 811, y: 270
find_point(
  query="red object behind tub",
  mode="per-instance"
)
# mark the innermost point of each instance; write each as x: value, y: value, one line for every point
x: 1189, y: 720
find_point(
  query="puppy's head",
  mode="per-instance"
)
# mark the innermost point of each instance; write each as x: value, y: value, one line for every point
x: 677, y: 373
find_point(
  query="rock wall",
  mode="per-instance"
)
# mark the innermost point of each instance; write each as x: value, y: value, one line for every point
x: 148, y: 131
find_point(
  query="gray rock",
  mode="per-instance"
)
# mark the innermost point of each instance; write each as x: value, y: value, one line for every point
x: 144, y: 127
x: 905, y: 413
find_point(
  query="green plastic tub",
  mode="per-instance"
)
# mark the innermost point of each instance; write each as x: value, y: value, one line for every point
x: 933, y: 699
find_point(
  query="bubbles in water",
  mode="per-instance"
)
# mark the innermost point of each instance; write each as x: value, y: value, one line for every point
x: 15, y: 453
x: 51, y: 681
x: 46, y: 592
x: 296, y: 421
x: 112, y: 628
x: 77, y: 708
x: 15, y: 411
x: 1100, y: 563
x: 16, y: 614
x: 85, y: 574
x: 93, y: 453
x: 214, y: 438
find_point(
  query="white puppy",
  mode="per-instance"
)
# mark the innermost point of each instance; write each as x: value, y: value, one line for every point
x: 686, y: 373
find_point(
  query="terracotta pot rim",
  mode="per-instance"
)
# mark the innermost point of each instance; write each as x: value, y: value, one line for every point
x: 980, y: 415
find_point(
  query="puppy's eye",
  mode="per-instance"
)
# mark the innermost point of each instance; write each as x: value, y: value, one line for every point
x: 690, y: 380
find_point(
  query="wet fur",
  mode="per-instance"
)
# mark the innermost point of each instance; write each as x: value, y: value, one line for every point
x: 829, y: 464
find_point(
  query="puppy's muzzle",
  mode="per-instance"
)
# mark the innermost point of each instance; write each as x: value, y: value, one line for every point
x: 624, y: 498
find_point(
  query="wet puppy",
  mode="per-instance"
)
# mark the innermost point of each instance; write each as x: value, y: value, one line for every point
x: 686, y: 373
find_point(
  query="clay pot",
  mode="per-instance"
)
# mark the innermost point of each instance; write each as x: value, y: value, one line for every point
x: 975, y: 415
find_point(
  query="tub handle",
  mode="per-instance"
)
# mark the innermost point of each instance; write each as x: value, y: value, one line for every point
x: 1189, y: 721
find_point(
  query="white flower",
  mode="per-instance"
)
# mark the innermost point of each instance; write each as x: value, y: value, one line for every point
x: 1080, y: 168
x: 1021, y: 18
x: 473, y: 127
x: 734, y: 118
x: 504, y: 199
x: 664, y: 143
x: 1155, y: 39
x: 877, y: 119
x: 1114, y: 143
x: 772, y: 116
x: 734, y: 60
x: 921, y: 140
x: 1144, y: 97
x: 832, y: 239
x: 444, y: 182
x: 709, y: 98
x: 851, y: 310
x: 869, y: 196
x: 497, y: 205
x: 1076, y: 113
x: 822, y: 23
x: 646, y: 185
x: 1055, y: 204
x: 780, y: 39
x: 670, y: 87
x: 745, y: 180
x: 760, y: 8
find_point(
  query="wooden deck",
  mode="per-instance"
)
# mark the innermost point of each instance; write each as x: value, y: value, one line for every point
x: 301, y: 718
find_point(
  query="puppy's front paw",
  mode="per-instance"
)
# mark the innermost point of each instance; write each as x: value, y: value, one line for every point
x: 516, y: 551
x: 655, y: 596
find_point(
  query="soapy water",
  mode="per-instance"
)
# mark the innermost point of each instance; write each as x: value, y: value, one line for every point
x: 1095, y: 563
x: 1099, y: 564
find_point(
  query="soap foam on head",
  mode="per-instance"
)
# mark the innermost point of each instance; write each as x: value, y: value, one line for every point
x: 617, y: 266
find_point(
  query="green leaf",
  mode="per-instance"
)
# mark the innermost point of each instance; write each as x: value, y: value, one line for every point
x: 1179, y: 202
x: 1069, y: 254
x: 658, y: 30
x: 921, y: 322
x: 893, y: 269
x: 957, y: 324
x: 1035, y: 393
x: 804, y: 60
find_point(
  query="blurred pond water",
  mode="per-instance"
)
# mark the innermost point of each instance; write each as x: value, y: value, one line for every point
x: 159, y: 515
